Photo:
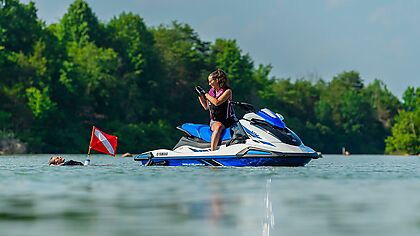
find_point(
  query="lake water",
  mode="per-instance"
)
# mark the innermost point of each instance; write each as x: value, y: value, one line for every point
x: 335, y: 195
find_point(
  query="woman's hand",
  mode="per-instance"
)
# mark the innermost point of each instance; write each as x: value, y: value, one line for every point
x: 199, y: 91
x: 201, y: 96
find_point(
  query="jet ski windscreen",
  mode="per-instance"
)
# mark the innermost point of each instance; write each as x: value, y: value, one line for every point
x: 283, y: 134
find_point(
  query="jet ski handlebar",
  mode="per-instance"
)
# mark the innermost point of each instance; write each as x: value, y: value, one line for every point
x: 244, y: 106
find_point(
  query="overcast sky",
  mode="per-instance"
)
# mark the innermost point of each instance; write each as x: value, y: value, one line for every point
x: 299, y: 38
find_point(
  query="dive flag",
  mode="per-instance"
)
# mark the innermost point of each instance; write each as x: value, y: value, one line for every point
x: 103, y: 142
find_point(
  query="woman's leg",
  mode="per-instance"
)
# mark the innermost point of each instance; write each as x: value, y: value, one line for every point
x: 217, y: 129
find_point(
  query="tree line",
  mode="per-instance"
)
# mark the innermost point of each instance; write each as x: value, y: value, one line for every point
x: 136, y: 82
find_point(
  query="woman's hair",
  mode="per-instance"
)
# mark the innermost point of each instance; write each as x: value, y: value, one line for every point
x: 220, y: 76
x: 53, y: 160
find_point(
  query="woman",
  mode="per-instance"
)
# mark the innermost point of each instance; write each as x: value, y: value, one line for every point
x: 217, y: 100
x: 59, y: 161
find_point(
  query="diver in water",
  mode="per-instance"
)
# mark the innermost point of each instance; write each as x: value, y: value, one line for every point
x: 59, y: 161
x: 218, y: 101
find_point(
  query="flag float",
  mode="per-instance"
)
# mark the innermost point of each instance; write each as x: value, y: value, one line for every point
x: 103, y: 142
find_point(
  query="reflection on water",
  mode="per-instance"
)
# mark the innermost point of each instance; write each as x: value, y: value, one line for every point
x: 365, y: 195
x: 269, y: 216
x: 210, y: 210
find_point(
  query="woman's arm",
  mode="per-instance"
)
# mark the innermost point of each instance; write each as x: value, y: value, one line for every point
x: 203, y: 102
x: 217, y: 101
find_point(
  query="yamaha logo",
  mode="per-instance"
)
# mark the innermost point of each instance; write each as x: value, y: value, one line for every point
x: 252, y: 133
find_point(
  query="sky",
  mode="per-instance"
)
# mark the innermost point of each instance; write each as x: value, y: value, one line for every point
x: 300, y: 38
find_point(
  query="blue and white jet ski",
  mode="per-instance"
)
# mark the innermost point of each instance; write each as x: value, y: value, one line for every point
x: 258, y: 139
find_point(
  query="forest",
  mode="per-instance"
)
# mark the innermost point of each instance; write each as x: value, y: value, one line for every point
x: 137, y: 82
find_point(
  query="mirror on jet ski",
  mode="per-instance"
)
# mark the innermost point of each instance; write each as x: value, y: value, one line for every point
x: 244, y: 106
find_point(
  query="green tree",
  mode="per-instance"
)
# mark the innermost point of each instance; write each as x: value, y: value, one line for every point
x: 344, y: 85
x: 79, y: 24
x: 19, y: 26
x: 35, y: 81
x: 89, y: 76
x: 405, y: 138
x: 296, y: 100
x: 26, y: 65
x: 293, y: 99
x: 226, y: 54
x: 384, y: 103
x: 411, y: 98
x: 139, y: 70
x: 144, y: 136
x: 347, y: 111
x: 184, y: 59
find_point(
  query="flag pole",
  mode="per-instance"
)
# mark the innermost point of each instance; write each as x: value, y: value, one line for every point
x: 87, y: 161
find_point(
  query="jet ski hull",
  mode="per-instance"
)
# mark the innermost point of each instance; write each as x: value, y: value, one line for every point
x: 273, y: 160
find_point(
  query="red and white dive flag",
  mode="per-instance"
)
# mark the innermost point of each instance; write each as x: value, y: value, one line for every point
x: 103, y: 142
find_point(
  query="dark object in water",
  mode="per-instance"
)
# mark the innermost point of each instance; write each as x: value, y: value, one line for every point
x: 72, y: 163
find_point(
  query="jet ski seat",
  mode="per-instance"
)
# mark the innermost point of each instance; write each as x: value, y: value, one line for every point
x: 203, y: 131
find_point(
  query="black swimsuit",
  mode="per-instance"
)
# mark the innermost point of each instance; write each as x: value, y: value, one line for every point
x: 72, y: 163
x: 223, y: 112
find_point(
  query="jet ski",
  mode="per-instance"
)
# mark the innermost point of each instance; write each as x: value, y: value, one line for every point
x: 257, y: 139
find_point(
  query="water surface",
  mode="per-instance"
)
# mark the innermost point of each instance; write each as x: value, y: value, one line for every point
x: 336, y: 195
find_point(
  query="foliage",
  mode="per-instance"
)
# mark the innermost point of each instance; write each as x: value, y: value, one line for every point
x: 145, y: 136
x: 384, y: 103
x: 227, y: 55
x: 80, y: 24
x: 139, y: 69
x: 405, y: 136
x: 19, y: 26
x: 38, y: 101
x: 184, y: 64
x: 137, y: 82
